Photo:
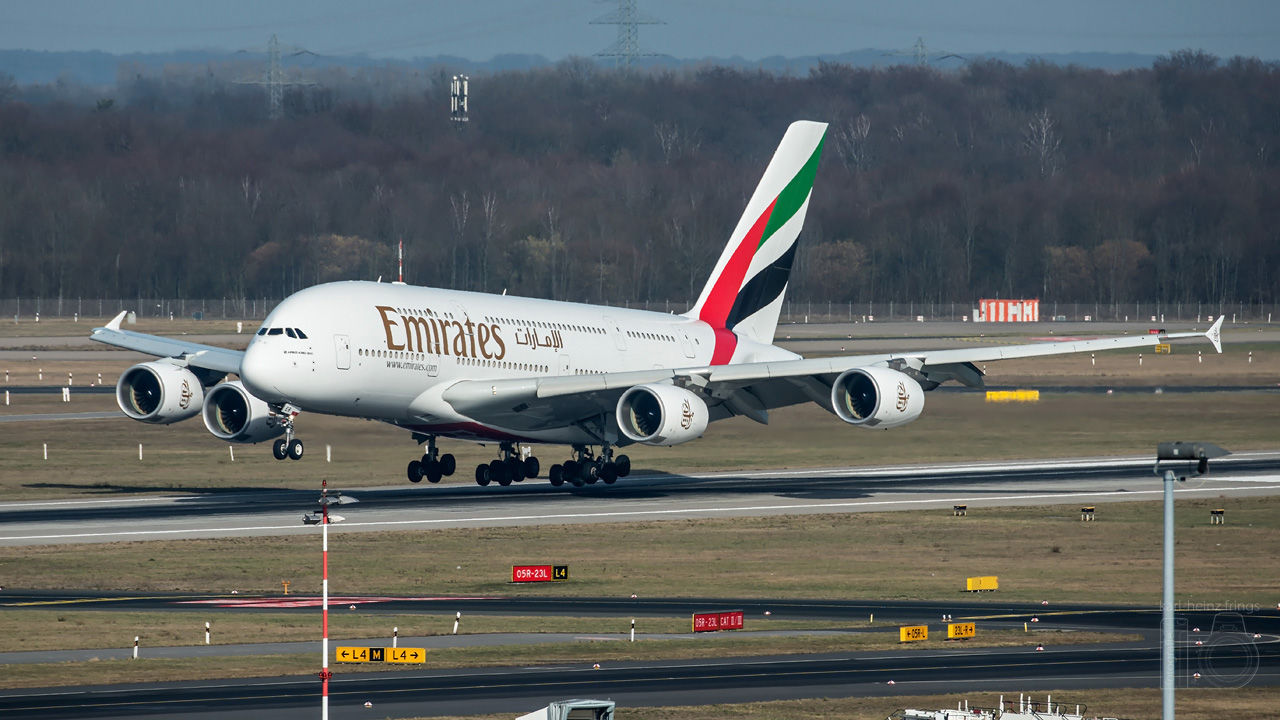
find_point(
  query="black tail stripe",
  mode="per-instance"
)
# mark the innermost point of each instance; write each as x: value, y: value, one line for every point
x: 762, y: 289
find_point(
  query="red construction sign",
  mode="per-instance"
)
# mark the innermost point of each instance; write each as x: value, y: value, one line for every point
x: 714, y: 622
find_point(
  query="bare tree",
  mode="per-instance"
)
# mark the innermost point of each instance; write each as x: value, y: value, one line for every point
x: 1042, y: 141
x: 852, y: 144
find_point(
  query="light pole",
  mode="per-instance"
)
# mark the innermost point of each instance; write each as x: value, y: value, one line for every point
x: 1175, y: 460
x: 323, y: 518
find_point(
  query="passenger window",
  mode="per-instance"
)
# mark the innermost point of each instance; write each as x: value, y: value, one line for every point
x: 301, y: 334
x: 275, y: 331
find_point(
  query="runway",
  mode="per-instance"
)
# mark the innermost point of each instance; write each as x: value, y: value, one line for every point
x: 242, y: 513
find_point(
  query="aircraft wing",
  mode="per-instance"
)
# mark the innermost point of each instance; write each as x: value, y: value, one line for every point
x: 749, y: 389
x: 190, y: 354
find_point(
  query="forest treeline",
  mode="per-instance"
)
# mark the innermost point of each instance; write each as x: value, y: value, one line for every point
x: 581, y: 183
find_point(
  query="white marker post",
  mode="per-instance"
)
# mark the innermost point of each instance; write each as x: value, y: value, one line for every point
x: 633, y: 629
x: 457, y: 620
x: 135, y: 647
x: 6, y: 397
x: 46, y: 451
x: 328, y: 453
x: 232, y: 450
x: 139, y: 451
x: 395, y: 636
x: 206, y: 632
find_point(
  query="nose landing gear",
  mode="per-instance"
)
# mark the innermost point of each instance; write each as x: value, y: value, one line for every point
x: 432, y: 466
x: 287, y: 446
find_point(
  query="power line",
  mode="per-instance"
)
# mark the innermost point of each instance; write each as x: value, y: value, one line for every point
x: 627, y: 47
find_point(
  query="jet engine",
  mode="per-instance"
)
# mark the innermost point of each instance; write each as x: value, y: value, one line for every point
x: 661, y: 415
x: 876, y: 397
x: 232, y: 414
x: 159, y: 393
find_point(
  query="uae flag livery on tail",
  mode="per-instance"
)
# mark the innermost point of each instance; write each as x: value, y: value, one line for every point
x: 745, y: 292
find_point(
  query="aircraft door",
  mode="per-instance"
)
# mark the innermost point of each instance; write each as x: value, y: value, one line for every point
x: 342, y: 351
x: 685, y: 343
x: 619, y: 339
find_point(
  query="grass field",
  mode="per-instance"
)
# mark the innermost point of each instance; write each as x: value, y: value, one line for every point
x: 100, y: 457
x: 1039, y: 553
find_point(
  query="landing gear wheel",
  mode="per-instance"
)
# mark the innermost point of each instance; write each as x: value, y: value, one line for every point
x: 623, y: 463
x: 498, y: 471
x: 514, y: 469
x: 572, y: 472
x: 415, y: 471
x: 294, y: 449
x: 556, y: 475
x: 431, y: 470
x: 590, y: 473
x: 279, y: 449
x: 447, y: 465
x: 531, y: 467
x: 482, y: 475
x: 609, y: 473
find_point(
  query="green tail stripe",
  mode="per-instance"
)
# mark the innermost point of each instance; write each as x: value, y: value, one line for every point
x: 793, y: 195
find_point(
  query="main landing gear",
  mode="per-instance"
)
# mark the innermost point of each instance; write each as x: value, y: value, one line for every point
x: 509, y: 468
x: 287, y: 446
x: 588, y: 468
x: 432, y: 466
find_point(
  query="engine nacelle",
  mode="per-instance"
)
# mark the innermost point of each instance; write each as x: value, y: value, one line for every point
x: 877, y: 397
x: 159, y: 393
x: 661, y: 415
x: 232, y: 414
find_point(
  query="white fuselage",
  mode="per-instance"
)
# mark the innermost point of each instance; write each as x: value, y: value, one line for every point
x: 372, y: 349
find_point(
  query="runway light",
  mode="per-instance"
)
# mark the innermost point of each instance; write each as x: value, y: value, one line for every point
x: 1039, y: 648
x: 368, y: 704
x: 890, y: 682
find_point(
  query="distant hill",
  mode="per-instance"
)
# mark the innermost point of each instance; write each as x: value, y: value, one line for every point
x: 30, y: 67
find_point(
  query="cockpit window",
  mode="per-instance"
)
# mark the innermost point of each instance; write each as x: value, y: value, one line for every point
x: 262, y: 331
x: 301, y: 334
x: 276, y: 331
x: 290, y: 332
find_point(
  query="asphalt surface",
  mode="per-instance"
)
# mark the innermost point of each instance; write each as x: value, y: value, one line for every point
x: 247, y: 513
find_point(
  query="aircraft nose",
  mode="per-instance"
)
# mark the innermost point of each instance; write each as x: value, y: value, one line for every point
x: 260, y: 371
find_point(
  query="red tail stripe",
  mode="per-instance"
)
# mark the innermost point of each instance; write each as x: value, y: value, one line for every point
x: 716, y: 310
x: 726, y: 343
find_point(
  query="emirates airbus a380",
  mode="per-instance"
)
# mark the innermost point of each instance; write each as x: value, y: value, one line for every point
x: 516, y: 371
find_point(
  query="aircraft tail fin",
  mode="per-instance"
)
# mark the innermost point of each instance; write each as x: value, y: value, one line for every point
x: 745, y: 292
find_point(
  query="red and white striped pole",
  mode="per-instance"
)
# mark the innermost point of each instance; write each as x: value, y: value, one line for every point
x: 324, y: 643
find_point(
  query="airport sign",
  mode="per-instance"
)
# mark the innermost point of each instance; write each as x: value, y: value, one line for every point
x: 956, y: 631
x: 539, y: 573
x: 380, y: 654
x: 913, y: 633
x: 714, y: 622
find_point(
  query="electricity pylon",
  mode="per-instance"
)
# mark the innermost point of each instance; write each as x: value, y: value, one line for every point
x: 627, y: 48
x: 273, y: 76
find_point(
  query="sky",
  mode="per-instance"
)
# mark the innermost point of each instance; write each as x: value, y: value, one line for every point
x: 752, y: 29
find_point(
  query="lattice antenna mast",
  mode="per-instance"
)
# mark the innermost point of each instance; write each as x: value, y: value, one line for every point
x: 627, y: 48
x: 273, y: 76
x: 921, y: 53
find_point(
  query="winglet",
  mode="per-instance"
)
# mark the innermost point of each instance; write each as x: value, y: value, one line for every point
x: 1215, y: 334
x: 115, y: 322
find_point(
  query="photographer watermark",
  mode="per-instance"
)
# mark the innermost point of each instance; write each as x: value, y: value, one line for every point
x: 1220, y: 653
